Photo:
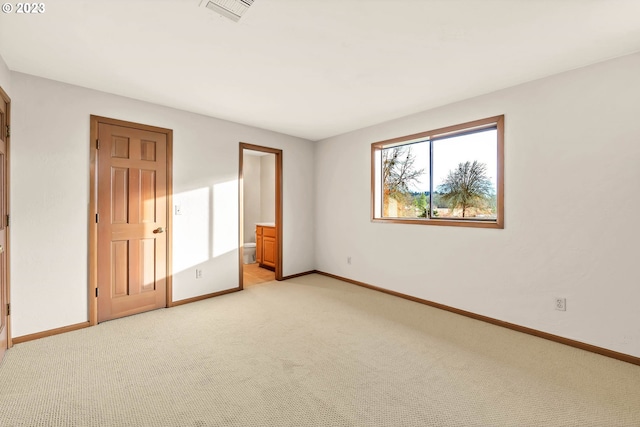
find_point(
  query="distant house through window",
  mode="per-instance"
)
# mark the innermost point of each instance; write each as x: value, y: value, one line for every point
x: 449, y: 176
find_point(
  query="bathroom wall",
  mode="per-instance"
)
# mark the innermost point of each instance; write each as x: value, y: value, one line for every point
x: 268, y: 188
x: 259, y: 185
x: 252, y: 189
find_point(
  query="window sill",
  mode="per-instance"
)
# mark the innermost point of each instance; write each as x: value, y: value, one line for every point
x: 446, y: 222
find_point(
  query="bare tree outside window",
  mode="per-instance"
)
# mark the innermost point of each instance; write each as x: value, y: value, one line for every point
x: 400, y: 175
x: 467, y: 186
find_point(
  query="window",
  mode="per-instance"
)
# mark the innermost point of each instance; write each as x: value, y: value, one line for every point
x: 449, y: 176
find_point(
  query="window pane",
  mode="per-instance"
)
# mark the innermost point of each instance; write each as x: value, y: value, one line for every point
x: 405, y: 181
x: 465, y: 170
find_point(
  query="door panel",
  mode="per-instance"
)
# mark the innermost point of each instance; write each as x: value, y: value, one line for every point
x: 147, y: 196
x: 269, y: 251
x: 132, y: 242
x: 120, y: 268
x: 147, y: 266
x: 119, y: 195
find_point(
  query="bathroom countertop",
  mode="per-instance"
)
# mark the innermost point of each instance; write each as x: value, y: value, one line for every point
x: 266, y: 224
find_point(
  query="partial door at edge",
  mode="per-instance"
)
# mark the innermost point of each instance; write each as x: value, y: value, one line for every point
x: 4, y: 189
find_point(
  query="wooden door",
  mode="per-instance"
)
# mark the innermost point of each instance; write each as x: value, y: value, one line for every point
x: 132, y: 221
x: 4, y: 189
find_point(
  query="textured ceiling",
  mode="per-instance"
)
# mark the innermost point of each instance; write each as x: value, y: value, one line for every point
x: 314, y: 68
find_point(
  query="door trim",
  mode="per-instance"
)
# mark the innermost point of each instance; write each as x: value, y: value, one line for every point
x: 7, y: 179
x: 278, y: 153
x: 93, y: 209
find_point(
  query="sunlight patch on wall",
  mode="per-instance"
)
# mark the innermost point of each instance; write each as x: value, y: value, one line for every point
x: 191, y: 239
x: 225, y: 217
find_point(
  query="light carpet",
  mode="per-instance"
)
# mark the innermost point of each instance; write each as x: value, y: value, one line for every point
x: 311, y: 351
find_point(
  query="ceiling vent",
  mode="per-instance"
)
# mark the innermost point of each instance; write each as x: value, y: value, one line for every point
x: 232, y: 9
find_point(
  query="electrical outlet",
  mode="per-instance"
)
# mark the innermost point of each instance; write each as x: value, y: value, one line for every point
x: 349, y: 260
x: 561, y: 304
x: 198, y: 273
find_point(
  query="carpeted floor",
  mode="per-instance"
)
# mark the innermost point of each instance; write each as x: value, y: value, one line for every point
x: 311, y: 351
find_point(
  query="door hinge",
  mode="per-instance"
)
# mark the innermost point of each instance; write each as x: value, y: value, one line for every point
x: 8, y: 309
x: 97, y: 218
x: 97, y: 292
x: 8, y: 131
x: 8, y: 220
x: 97, y: 144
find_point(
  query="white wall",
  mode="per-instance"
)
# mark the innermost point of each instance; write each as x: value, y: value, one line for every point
x: 268, y: 188
x: 5, y: 77
x: 50, y: 196
x: 572, y: 169
x: 251, y: 178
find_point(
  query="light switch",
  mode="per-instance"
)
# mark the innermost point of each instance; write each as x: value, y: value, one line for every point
x: 178, y: 210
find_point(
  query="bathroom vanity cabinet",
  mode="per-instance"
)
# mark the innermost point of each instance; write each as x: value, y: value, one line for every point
x: 266, y: 244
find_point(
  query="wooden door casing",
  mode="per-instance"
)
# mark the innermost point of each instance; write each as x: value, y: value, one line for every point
x: 5, y: 338
x: 278, y: 210
x: 133, y: 193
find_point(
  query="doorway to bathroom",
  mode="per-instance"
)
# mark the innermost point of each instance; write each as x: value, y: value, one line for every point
x: 260, y: 208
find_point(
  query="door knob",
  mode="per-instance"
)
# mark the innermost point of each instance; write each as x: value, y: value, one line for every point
x: 158, y: 230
